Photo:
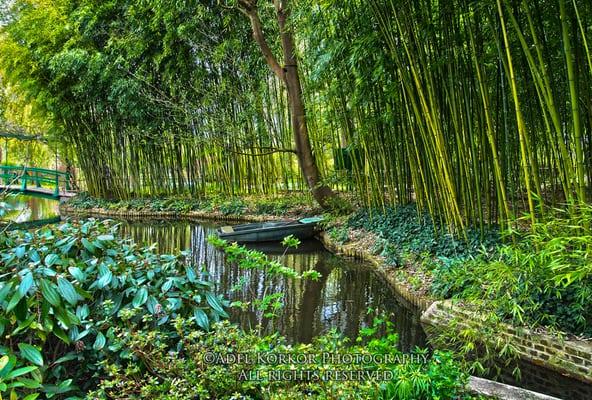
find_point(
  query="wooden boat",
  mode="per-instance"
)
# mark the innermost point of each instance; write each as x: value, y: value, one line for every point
x: 269, y: 231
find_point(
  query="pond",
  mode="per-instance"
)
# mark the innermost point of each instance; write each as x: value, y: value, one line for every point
x: 339, y: 300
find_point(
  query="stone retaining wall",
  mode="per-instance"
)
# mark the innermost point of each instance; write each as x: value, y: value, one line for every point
x: 408, y: 298
x: 572, y: 358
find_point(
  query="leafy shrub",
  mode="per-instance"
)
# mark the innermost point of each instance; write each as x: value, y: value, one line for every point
x: 339, y: 234
x: 273, y: 206
x: 233, y: 207
x: 64, y: 292
x: 405, y: 230
x: 190, y: 373
x: 543, y: 279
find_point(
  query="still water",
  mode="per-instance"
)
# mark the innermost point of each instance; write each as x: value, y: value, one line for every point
x: 24, y: 208
x: 339, y: 300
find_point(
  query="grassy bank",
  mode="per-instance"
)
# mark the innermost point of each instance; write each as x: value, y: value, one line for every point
x: 292, y: 206
x: 540, y: 278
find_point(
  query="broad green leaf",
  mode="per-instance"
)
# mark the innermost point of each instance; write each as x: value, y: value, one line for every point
x: 24, y: 325
x: 77, y: 274
x: 80, y: 335
x: 31, y: 353
x: 65, y: 249
x: 99, y: 342
x: 26, y: 284
x: 30, y: 383
x: 3, y: 362
x: 105, y: 279
x: 49, y: 292
x: 61, y: 335
x: 82, y: 312
x: 140, y: 297
x: 64, y: 317
x: 191, y: 276
x: 51, y: 259
x: 105, y: 238
x: 215, y: 304
x: 167, y: 286
x: 151, y: 304
x: 68, y: 291
x: 8, y: 367
x: 16, y: 297
x: 4, y: 291
x: 201, y: 318
x: 34, y: 255
x: 20, y: 371
x: 88, y: 246
x: 20, y: 251
x: 48, y: 272
x: 66, y: 358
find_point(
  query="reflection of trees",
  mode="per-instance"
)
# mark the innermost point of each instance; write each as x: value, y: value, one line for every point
x: 26, y: 208
x: 32, y: 204
x: 339, y: 299
x: 311, y: 299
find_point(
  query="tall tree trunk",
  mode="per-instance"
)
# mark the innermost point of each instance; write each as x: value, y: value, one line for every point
x: 291, y: 78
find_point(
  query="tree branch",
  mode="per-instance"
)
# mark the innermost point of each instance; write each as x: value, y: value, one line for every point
x: 272, y: 150
x: 249, y: 8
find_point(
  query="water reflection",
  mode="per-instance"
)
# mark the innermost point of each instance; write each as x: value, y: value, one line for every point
x: 338, y: 300
x: 26, y: 208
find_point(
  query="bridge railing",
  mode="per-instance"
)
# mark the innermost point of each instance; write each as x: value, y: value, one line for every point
x: 11, y: 174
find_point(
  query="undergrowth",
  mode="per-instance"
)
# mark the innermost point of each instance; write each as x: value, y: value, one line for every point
x: 403, y: 231
x: 277, y: 206
x: 227, y: 363
x: 543, y: 279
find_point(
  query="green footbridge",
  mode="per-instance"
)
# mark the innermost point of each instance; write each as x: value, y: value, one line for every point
x: 40, y: 181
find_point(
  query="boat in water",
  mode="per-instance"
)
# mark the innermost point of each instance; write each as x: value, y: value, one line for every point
x: 273, y: 231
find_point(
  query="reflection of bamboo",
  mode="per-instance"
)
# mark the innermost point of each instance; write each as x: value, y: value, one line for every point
x: 34, y: 207
x: 355, y: 297
x: 311, y: 298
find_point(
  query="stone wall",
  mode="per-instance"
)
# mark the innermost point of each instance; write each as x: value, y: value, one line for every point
x: 571, y: 358
x: 404, y: 295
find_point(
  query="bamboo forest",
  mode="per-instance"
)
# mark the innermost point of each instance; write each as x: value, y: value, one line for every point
x: 287, y: 199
